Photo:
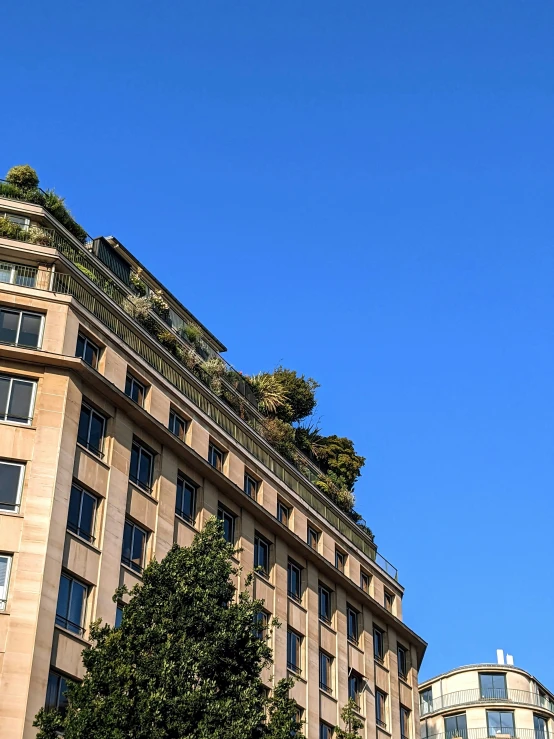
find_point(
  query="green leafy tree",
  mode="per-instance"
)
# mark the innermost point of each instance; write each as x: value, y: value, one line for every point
x: 283, y: 713
x: 337, y: 455
x: 352, y: 722
x: 300, y: 395
x: 23, y: 176
x: 185, y: 662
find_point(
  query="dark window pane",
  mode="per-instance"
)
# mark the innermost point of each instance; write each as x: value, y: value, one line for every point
x: 74, y: 508
x: 91, y: 354
x: 84, y: 423
x: 10, y: 476
x: 30, y: 330
x: 138, y: 547
x: 80, y: 350
x: 96, y: 435
x: 9, y: 322
x: 88, y: 508
x: 145, y: 468
x: 62, y: 608
x: 135, y: 453
x: 127, y: 542
x: 4, y: 393
x: 128, y: 385
x: 19, y: 409
x: 76, y: 607
x: 118, y: 615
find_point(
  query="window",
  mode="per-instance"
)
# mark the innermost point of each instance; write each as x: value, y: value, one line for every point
x: 355, y: 687
x: 135, y: 390
x: 70, y: 611
x: 541, y: 727
x: 261, y: 554
x: 177, y: 425
x: 493, y: 685
x: 22, y: 221
x: 324, y: 604
x: 325, y: 731
x: 262, y: 622
x: 216, y: 457
x: 88, y: 351
x: 185, y: 502
x: 313, y: 538
x: 294, y: 576
x: 352, y: 624
x: 82, y: 513
x: 55, y: 692
x: 426, y: 701
x: 17, y: 398
x: 282, y: 513
x: 404, y: 722
x: 5, y: 567
x: 119, y: 615
x: 11, y: 484
x: 250, y: 486
x: 365, y: 580
x: 228, y: 520
x: 91, y: 430
x: 325, y: 665
x: 389, y: 601
x: 18, y: 274
x: 294, y: 646
x: 340, y: 560
x: 378, y: 644
x: 381, y: 709
x: 134, y: 547
x: 402, y: 654
x: 142, y: 464
x: 500, y: 722
x: 455, y: 726
x: 20, y: 328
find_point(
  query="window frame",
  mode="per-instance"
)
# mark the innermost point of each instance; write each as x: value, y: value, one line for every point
x: 224, y: 513
x: 5, y: 588
x: 127, y: 561
x: 179, y: 512
x: 19, y: 492
x: 388, y: 600
x: 296, y: 666
x: 493, y: 693
x: 327, y: 619
x: 365, y: 575
x: 402, y: 656
x: 261, y: 631
x: 340, y: 557
x: 381, y: 708
x: 540, y: 733
x: 405, y: 720
x: 17, y: 378
x: 296, y: 596
x: 325, y: 672
x: 86, y: 443
x: 313, y: 534
x: 259, y: 543
x: 457, y: 732
x: 60, y: 703
x: 215, y: 452
x: 491, y: 732
x: 358, y: 690
x: 283, y: 513
x: 132, y: 478
x: 426, y: 705
x: 119, y: 610
x: 135, y: 381
x: 86, y: 342
x: 63, y: 621
x: 249, y: 483
x: 379, y: 653
x: 326, y: 731
x: 351, y: 611
x: 22, y: 313
x: 180, y: 422
x: 77, y: 530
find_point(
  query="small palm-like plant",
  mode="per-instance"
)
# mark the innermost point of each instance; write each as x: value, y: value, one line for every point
x: 270, y: 392
x: 308, y: 439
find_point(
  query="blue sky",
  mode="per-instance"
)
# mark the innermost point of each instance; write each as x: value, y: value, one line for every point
x: 363, y: 192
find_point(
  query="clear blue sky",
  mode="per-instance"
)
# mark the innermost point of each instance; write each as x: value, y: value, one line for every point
x: 363, y: 191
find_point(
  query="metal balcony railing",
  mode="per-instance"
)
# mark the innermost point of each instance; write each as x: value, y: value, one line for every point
x: 476, y: 695
x: 491, y: 733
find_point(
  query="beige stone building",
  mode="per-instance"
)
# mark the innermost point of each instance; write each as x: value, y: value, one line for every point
x: 488, y: 700
x: 111, y: 449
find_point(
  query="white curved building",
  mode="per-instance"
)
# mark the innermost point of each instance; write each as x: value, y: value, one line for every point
x: 486, y: 700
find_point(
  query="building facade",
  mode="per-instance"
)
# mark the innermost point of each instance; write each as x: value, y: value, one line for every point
x: 111, y: 449
x: 489, y: 700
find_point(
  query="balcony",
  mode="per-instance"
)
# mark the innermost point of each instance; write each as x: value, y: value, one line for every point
x: 466, y: 697
x: 491, y: 733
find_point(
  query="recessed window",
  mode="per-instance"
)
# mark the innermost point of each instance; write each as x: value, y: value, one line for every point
x: 500, y: 722
x: 119, y: 615
x: 340, y: 560
x: 250, y: 486
x: 216, y: 457
x: 365, y: 580
x: 402, y: 653
x: 325, y: 731
x: 378, y: 644
x: 17, y: 398
x: 294, y: 648
x: 313, y: 538
x: 352, y: 617
x: 20, y: 328
x: 18, y: 274
x: 404, y: 722
x: 294, y: 581
x: 455, y: 726
x: 426, y: 701
x: 56, y: 698
x: 82, y: 513
x: 177, y: 425
x: 11, y: 485
x: 381, y: 709
x: 134, y: 547
x: 493, y: 685
x: 19, y: 220
x: 142, y: 466
x: 262, y: 623
x: 325, y: 666
x: 91, y: 431
x: 283, y: 512
x: 87, y: 351
x: 5, y: 567
x: 185, y: 503
x: 228, y: 520
x: 135, y: 390
x: 261, y: 555
x: 355, y: 687
x: 324, y: 604
x: 70, y: 610
x: 541, y: 727
x: 389, y: 601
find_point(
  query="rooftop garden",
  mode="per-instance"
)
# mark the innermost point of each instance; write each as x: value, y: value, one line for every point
x: 280, y: 405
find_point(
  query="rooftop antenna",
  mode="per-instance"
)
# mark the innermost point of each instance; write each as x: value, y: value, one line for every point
x: 500, y: 656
